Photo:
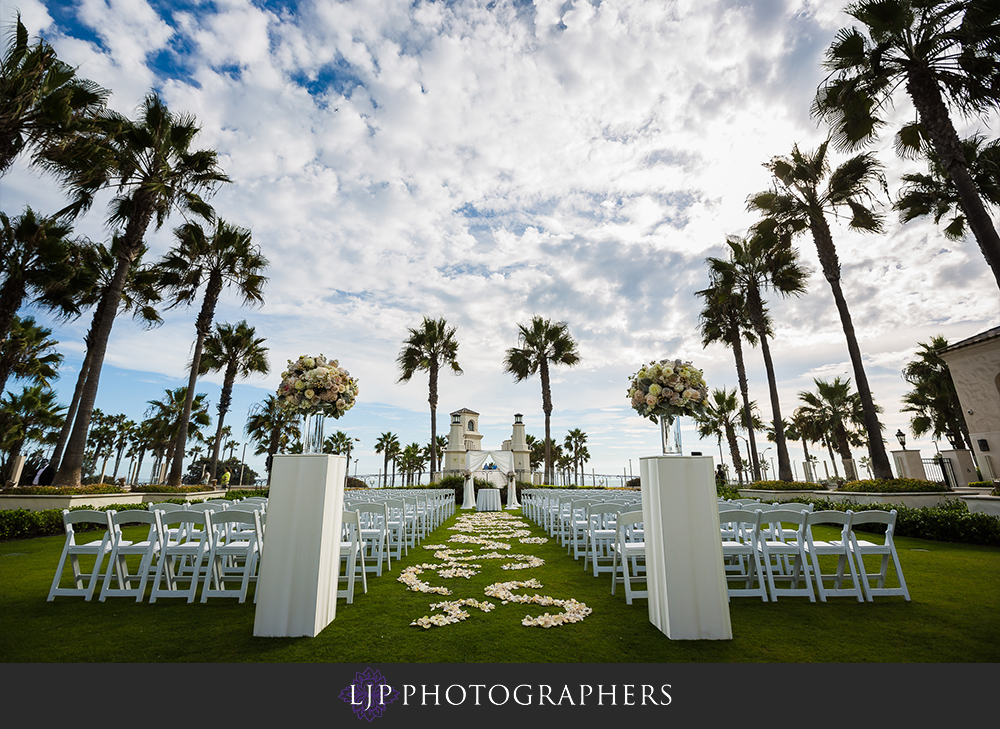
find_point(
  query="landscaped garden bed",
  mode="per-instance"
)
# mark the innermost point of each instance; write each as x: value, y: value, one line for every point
x: 39, y: 498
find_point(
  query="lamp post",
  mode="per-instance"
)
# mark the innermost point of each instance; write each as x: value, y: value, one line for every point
x: 901, y: 437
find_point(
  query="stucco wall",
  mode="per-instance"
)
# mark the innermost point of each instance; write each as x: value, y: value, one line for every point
x: 975, y: 370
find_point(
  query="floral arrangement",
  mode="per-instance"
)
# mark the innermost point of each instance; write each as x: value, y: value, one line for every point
x: 317, y: 385
x: 668, y: 388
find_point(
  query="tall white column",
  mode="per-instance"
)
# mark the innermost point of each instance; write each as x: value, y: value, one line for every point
x: 686, y: 579
x: 300, y: 564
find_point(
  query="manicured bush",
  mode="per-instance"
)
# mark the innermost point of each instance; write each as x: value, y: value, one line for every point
x: 950, y: 522
x: 781, y: 485
x: 892, y: 486
x: 163, y: 489
x: 89, y: 490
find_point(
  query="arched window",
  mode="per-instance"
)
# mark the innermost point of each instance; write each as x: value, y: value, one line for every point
x: 472, y: 425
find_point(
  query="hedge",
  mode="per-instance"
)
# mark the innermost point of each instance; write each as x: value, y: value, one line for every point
x: 892, y: 486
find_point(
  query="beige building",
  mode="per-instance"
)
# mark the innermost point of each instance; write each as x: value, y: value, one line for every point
x: 465, y: 438
x: 974, y: 364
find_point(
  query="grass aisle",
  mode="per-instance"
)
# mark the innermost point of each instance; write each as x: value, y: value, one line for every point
x: 952, y: 617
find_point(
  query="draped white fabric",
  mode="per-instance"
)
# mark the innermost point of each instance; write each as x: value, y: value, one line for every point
x: 475, y: 459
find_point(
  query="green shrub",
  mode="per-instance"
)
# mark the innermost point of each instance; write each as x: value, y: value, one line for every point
x: 89, y: 490
x: 892, y: 486
x: 157, y: 488
x: 781, y: 486
x: 950, y: 522
x: 980, y: 484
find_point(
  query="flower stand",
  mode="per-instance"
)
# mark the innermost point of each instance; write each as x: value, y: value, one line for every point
x: 299, y: 572
x: 686, y: 580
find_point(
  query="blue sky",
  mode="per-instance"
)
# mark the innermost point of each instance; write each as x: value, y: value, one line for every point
x: 490, y: 161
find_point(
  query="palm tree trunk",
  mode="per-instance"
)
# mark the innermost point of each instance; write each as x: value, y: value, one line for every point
x: 831, y: 271
x: 224, y: 400
x: 935, y: 120
x: 69, y: 472
x: 74, y: 405
x: 735, y: 341
x: 543, y: 371
x: 734, y: 451
x: 433, y: 400
x: 204, y: 327
x: 784, y: 466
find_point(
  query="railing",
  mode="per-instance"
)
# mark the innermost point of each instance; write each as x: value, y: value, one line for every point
x: 940, y: 470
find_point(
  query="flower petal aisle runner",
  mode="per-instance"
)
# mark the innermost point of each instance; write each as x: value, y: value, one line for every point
x: 489, y: 535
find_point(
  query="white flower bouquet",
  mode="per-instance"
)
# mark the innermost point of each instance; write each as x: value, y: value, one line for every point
x: 317, y: 385
x: 668, y: 388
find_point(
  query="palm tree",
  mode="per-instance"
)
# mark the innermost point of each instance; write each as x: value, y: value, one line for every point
x: 384, y: 445
x: 272, y: 428
x: 575, y: 443
x: 394, y: 451
x: 29, y: 353
x: 139, y: 296
x: 123, y: 430
x: 43, y: 99
x: 412, y: 459
x: 841, y: 411
x: 756, y: 265
x: 723, y: 417
x: 810, y: 428
x: 797, y: 203
x: 441, y: 442
x: 542, y: 342
x: 934, y: 400
x: 429, y: 348
x: 35, y: 266
x: 155, y: 172
x: 943, y: 53
x: 224, y: 258
x: 237, y: 350
x: 340, y: 444
x: 167, y: 413
x: 934, y: 194
x: 30, y: 416
x: 725, y: 318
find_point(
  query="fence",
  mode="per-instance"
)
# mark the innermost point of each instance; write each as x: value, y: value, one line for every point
x: 940, y: 470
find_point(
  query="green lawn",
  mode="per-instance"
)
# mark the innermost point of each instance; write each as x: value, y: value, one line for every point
x: 952, y: 617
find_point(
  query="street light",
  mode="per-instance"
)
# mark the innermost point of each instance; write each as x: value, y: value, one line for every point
x: 901, y: 437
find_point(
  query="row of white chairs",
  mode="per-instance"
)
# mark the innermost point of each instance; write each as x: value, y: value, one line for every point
x: 769, y: 549
x: 773, y: 552
x: 184, y: 546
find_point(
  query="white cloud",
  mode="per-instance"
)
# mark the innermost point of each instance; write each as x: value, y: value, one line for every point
x: 486, y: 162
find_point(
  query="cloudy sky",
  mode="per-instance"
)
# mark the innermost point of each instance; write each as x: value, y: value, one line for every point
x: 486, y: 162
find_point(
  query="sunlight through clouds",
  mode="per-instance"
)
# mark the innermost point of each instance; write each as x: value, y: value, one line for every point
x: 489, y: 161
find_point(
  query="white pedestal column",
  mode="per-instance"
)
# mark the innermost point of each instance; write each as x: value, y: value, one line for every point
x: 686, y: 580
x: 469, y: 499
x: 300, y: 565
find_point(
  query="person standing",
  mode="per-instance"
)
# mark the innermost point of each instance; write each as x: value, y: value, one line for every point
x: 44, y: 475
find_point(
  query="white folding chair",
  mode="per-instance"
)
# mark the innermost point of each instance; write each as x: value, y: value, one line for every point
x: 234, y: 555
x: 98, y: 548
x: 601, y: 533
x: 840, y: 549
x: 629, y: 549
x: 375, y: 534
x: 886, y: 551
x: 776, y: 553
x: 352, y: 556
x: 181, y: 555
x: 578, y: 526
x: 398, y: 546
x: 121, y: 549
x: 742, y: 553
